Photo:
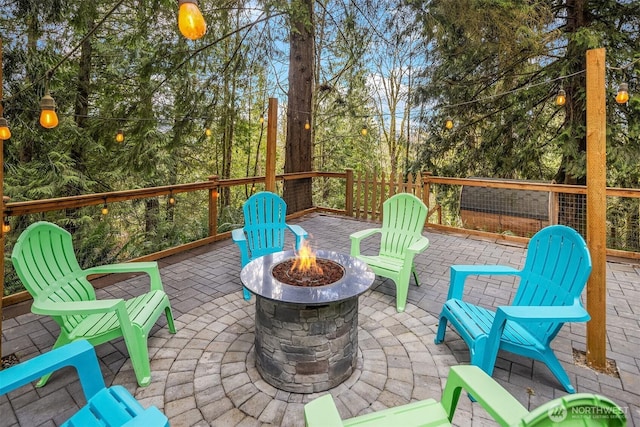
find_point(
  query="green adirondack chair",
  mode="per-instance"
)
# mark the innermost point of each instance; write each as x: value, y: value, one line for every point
x: 45, y: 261
x: 401, y: 239
x: 572, y: 410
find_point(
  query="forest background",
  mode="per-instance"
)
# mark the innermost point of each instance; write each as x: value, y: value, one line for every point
x: 377, y: 81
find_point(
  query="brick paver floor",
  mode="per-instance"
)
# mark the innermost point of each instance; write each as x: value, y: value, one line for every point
x: 205, y: 374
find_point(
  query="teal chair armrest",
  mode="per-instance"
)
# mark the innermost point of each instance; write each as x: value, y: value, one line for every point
x: 79, y: 354
x: 240, y: 239
x: 522, y: 314
x: 497, y: 401
x: 150, y: 417
x: 53, y: 308
x: 322, y: 412
x: 299, y: 233
x: 459, y: 274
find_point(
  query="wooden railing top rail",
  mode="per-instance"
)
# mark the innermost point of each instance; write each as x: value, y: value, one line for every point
x: 72, y: 202
x: 537, y: 186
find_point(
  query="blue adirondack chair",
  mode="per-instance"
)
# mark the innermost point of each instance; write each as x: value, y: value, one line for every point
x: 264, y: 229
x: 113, y: 406
x: 556, y: 270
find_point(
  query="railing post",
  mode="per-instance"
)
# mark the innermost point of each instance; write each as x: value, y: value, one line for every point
x: 272, y: 131
x: 426, y: 190
x: 597, y: 207
x: 213, y: 207
x: 348, y: 203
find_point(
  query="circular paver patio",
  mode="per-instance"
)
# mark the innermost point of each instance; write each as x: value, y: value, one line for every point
x: 205, y: 374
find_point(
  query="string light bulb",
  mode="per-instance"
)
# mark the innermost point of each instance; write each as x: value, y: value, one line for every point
x: 6, y: 227
x: 105, y: 209
x: 364, y: 131
x: 307, y: 126
x: 120, y: 136
x: 261, y: 119
x: 5, y: 133
x: 172, y: 200
x: 623, y: 94
x: 190, y: 20
x: 48, y: 116
x: 207, y: 132
x: 561, y: 98
x: 448, y: 124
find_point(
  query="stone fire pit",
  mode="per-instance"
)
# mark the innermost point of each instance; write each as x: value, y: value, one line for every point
x: 306, y: 337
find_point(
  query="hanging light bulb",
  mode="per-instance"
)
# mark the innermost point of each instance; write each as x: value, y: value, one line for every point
x: 190, y: 21
x: 561, y: 98
x: 172, y: 200
x: 48, y: 116
x: 307, y: 126
x: 6, y: 227
x: 623, y: 94
x: 261, y: 119
x: 448, y: 124
x: 105, y: 209
x: 120, y: 136
x: 364, y: 131
x: 5, y: 133
x: 207, y: 132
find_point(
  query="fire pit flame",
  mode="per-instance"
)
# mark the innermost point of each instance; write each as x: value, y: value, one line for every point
x: 305, y: 260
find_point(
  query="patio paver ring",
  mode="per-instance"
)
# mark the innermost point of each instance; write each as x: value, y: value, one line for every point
x: 206, y: 374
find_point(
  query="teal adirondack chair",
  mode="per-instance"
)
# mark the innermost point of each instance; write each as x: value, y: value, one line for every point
x: 106, y: 407
x: 555, y: 272
x: 264, y: 229
x: 401, y: 239
x: 500, y: 405
x: 46, y: 264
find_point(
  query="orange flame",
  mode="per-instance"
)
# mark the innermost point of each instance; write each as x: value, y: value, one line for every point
x: 305, y: 260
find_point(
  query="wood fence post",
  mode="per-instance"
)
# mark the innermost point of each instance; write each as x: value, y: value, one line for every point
x: 596, y: 208
x: 348, y: 203
x: 2, y: 238
x: 426, y: 190
x: 272, y: 133
x: 213, y: 207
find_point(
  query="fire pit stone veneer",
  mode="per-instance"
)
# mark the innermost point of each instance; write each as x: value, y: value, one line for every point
x: 306, y: 337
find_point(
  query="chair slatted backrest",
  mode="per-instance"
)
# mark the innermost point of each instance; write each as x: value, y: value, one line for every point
x: 403, y: 219
x: 42, y: 257
x: 265, y: 223
x: 556, y: 270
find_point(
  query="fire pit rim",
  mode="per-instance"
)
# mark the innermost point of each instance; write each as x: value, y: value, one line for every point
x: 357, y: 279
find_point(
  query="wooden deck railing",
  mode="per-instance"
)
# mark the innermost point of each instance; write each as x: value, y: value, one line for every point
x: 362, y: 199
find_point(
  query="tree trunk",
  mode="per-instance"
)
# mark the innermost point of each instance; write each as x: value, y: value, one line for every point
x: 298, y: 149
x: 573, y: 206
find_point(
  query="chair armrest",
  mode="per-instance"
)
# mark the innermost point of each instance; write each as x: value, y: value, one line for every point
x: 522, y: 314
x: 299, y: 233
x: 358, y: 236
x: 151, y: 417
x: 497, y: 401
x: 240, y: 239
x: 322, y: 412
x: 459, y: 274
x: 149, y: 267
x: 419, y: 245
x: 53, y: 308
x: 237, y: 235
x: 79, y: 354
